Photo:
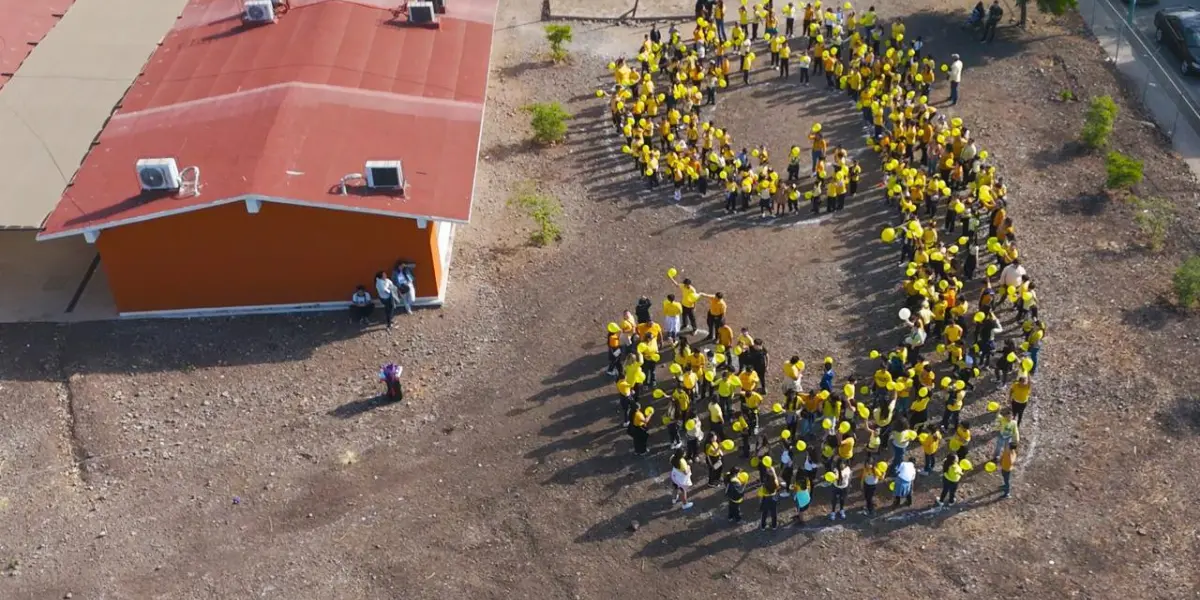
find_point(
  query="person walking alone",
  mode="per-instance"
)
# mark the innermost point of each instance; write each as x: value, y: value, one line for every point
x: 956, y: 68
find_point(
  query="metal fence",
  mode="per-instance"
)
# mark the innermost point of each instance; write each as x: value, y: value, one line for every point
x: 1152, y: 71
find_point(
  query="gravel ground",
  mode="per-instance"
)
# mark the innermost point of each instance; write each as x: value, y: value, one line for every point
x: 243, y: 458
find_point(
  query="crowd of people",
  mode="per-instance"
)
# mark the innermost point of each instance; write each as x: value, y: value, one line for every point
x: 954, y: 237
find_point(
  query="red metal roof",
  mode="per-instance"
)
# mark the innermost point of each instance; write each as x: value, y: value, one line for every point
x: 282, y: 112
x: 23, y: 23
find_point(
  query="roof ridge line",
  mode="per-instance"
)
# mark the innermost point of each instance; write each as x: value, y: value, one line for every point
x: 120, y: 116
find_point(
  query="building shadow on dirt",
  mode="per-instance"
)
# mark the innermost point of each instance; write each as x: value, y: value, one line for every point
x: 50, y: 352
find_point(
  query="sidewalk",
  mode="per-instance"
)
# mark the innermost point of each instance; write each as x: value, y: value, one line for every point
x: 1162, y: 98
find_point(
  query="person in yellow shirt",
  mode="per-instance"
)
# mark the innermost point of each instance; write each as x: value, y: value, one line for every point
x: 789, y: 19
x: 952, y: 473
x: 1019, y: 395
x: 785, y: 56
x: 716, y: 314
x: 712, y: 456
x: 1007, y: 460
x: 931, y: 440
x: 672, y: 311
x: 687, y: 300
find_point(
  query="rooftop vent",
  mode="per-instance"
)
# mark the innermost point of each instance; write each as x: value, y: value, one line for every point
x: 157, y: 174
x: 385, y: 174
x: 256, y: 12
x: 422, y: 13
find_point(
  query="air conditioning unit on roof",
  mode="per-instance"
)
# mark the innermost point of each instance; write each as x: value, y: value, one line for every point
x: 158, y: 174
x: 258, y: 11
x: 385, y: 174
x: 422, y: 13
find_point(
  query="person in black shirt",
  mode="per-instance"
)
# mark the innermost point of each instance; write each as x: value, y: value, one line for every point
x: 735, y: 491
x: 995, y: 13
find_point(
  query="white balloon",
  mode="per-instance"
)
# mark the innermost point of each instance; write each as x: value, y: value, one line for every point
x: 905, y: 314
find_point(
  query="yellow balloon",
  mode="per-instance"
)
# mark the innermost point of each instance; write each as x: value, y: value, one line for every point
x: 727, y: 445
x: 979, y: 317
x: 830, y: 477
x: 659, y: 394
x: 613, y: 328
x: 827, y: 424
x: 844, y: 427
x: 675, y: 369
x: 888, y: 235
x: 689, y: 424
x: 666, y: 420
x: 671, y: 272
x: 1026, y: 364
x: 777, y: 408
x: 738, y: 427
x: 965, y: 465
x: 945, y: 382
x: 874, y: 354
x: 863, y: 411
x: 801, y: 446
x: 766, y: 461
x: 743, y: 477
x: 990, y: 467
x: 754, y: 462
x: 1011, y: 357
x: 786, y: 434
x: 993, y: 406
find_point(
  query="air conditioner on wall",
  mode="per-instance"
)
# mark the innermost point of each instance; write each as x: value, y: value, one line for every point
x: 158, y: 174
x: 384, y: 174
x: 422, y: 13
x: 258, y: 11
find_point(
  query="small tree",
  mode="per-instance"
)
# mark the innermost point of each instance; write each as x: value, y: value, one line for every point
x: 543, y: 209
x: 1123, y: 171
x: 1053, y: 7
x: 1187, y: 282
x: 558, y: 36
x: 549, y: 122
x: 1153, y: 218
x: 1098, y: 124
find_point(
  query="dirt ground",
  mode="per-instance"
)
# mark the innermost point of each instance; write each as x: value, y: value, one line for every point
x: 243, y: 458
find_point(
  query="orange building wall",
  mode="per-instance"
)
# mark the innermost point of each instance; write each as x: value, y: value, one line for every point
x: 225, y: 257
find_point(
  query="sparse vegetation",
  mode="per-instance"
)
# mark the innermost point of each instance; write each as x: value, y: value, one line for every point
x: 1123, y: 171
x: 1066, y: 95
x: 543, y: 209
x: 1051, y: 7
x: 559, y: 36
x: 1187, y: 282
x: 1098, y: 124
x: 549, y: 122
x: 1153, y: 217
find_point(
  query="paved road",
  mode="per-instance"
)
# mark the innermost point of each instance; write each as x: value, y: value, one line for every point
x: 1143, y: 19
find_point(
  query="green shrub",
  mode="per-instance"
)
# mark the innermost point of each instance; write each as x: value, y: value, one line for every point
x: 1066, y: 95
x: 1187, y: 282
x: 543, y: 209
x: 1098, y: 124
x: 1153, y: 217
x: 1123, y: 171
x: 558, y: 36
x: 549, y: 122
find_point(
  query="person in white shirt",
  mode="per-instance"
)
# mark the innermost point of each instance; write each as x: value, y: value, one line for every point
x: 387, y: 295
x: 361, y: 306
x: 956, y: 68
x: 1013, y: 274
x: 406, y: 286
x: 905, y: 474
